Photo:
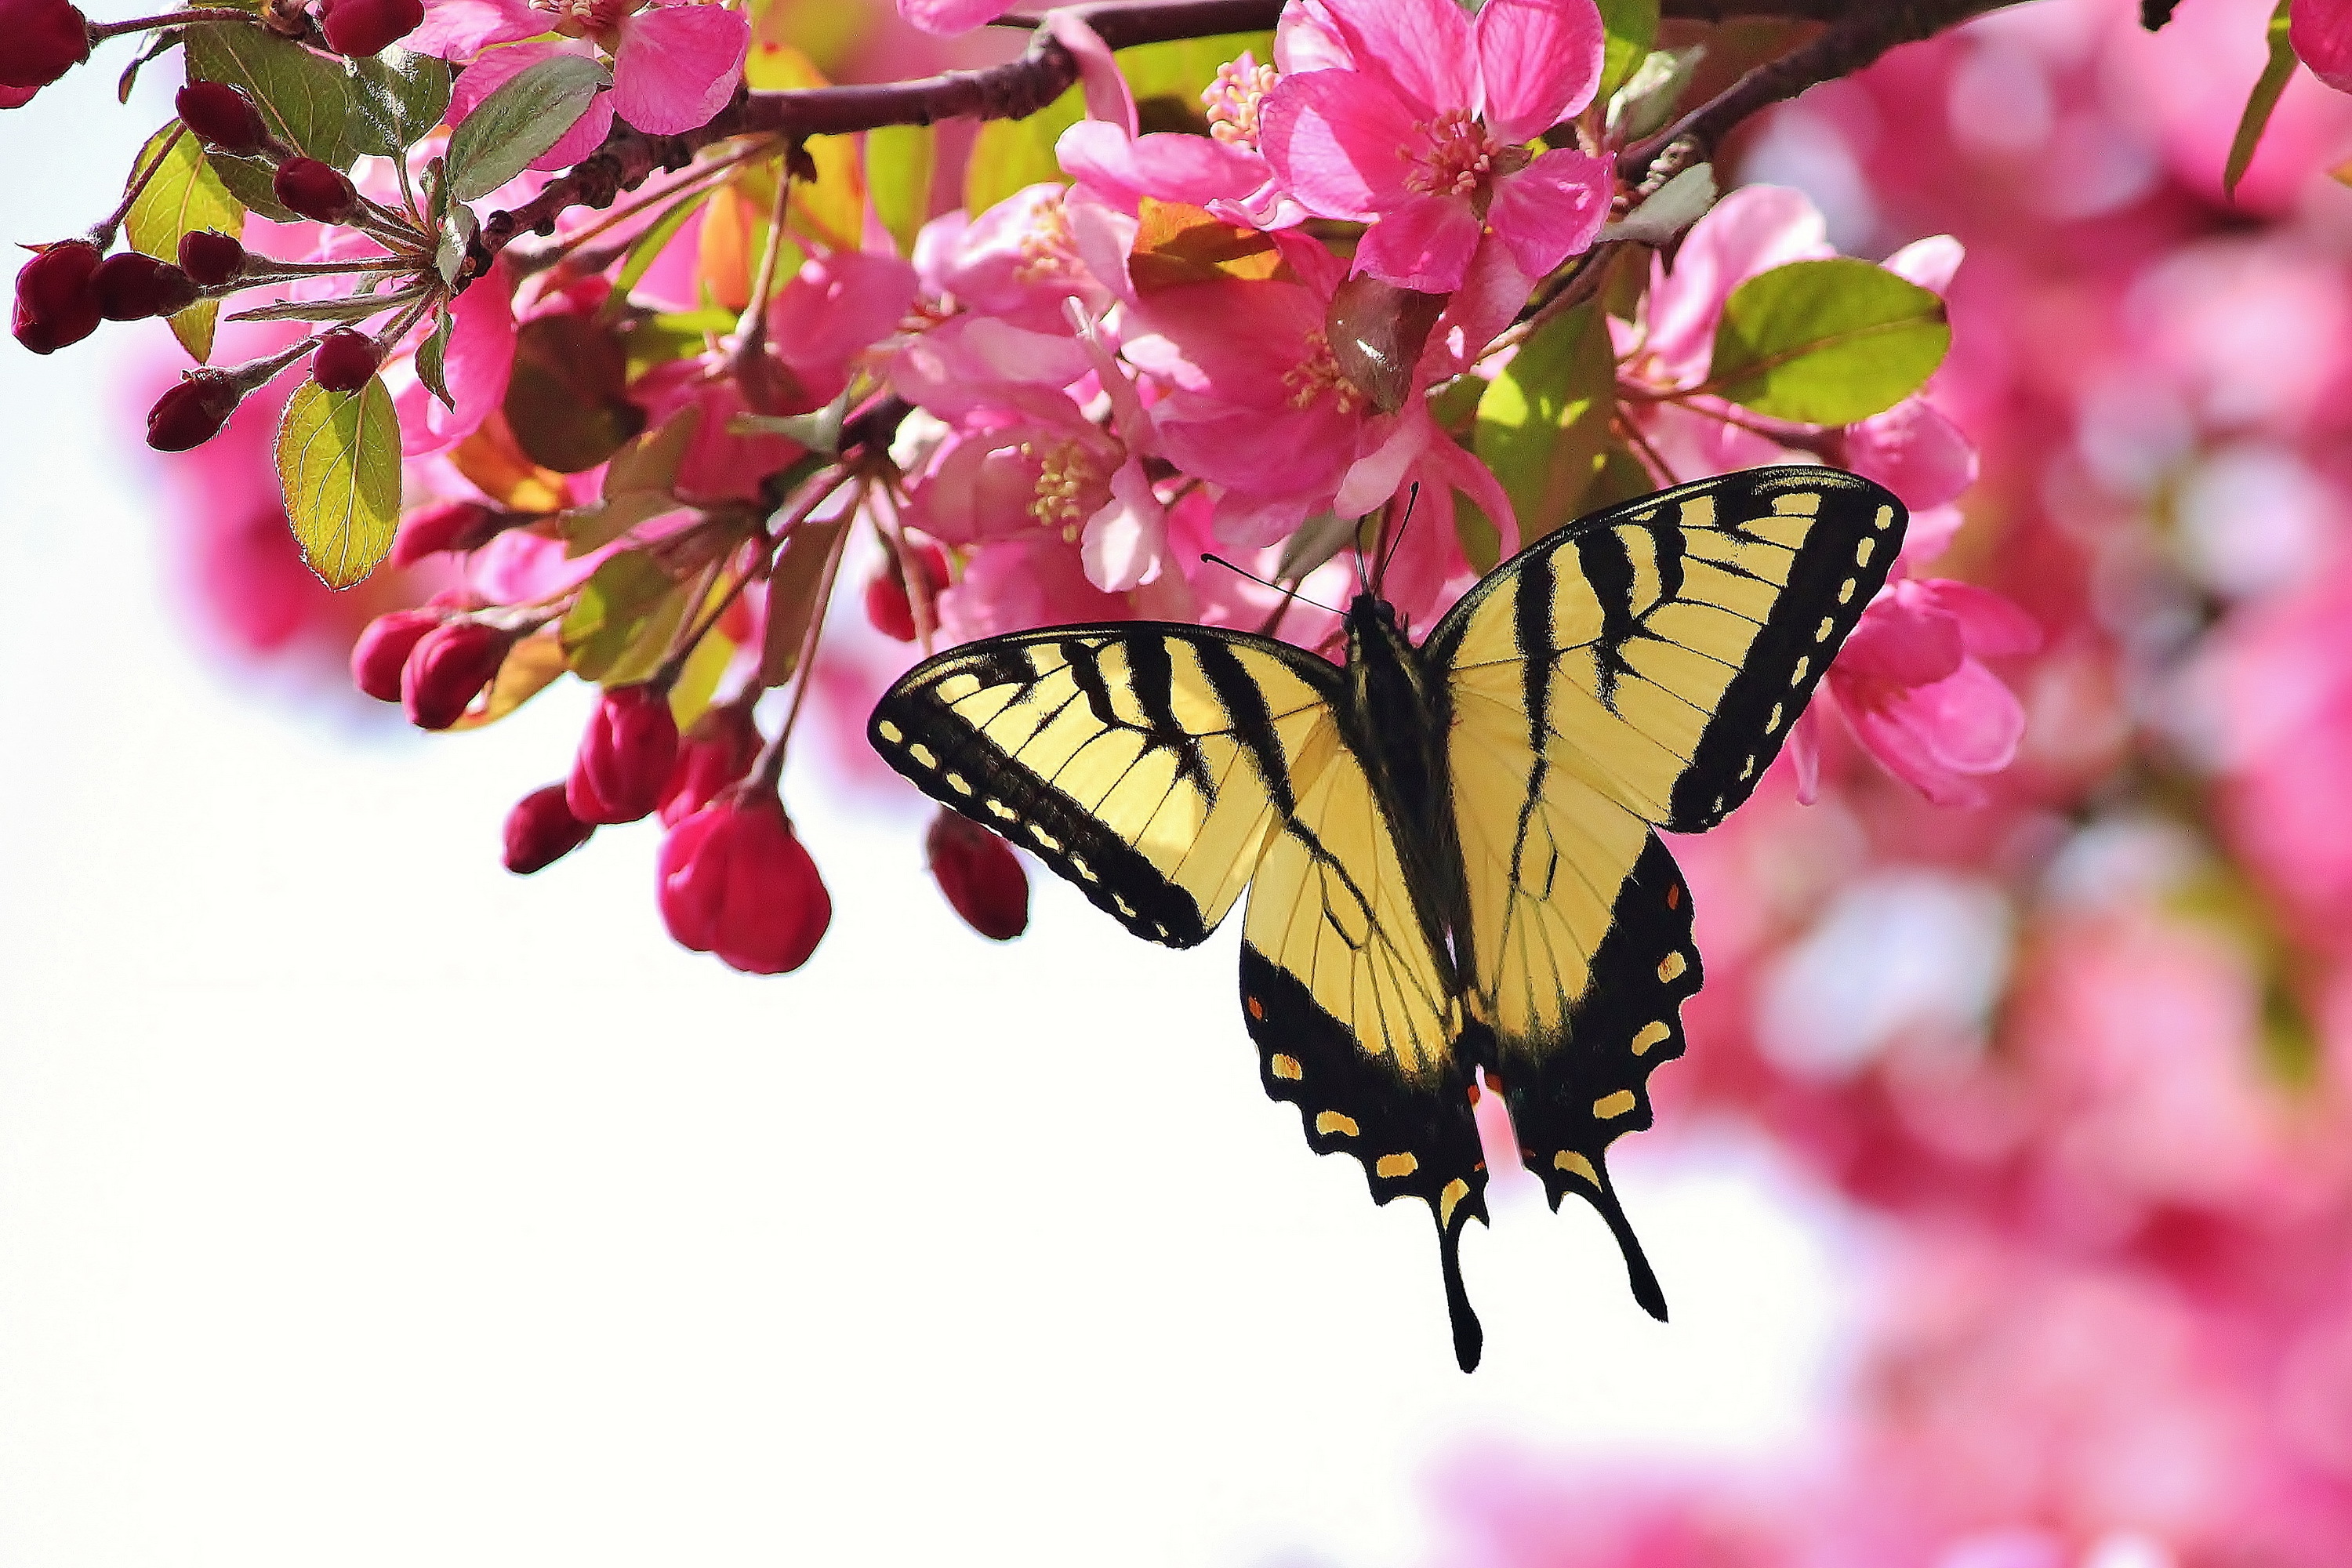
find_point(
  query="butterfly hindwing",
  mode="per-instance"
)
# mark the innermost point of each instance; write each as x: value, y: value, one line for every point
x: 1356, y: 1013
x: 1144, y: 762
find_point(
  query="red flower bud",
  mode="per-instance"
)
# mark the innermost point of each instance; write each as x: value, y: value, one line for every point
x: 541, y: 830
x: 40, y: 40
x: 222, y: 117
x: 132, y: 287
x: 192, y: 413
x: 210, y: 257
x: 345, y: 361
x: 625, y: 756
x: 55, y: 303
x: 887, y: 604
x: 360, y: 27
x: 383, y: 647
x: 316, y: 191
x: 444, y: 525
x: 736, y: 882
x: 981, y: 876
x: 448, y: 669
x: 716, y: 752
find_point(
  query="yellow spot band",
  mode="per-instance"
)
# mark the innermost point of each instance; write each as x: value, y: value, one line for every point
x: 1287, y: 1067
x: 1393, y: 1165
x: 1614, y: 1105
x: 1331, y: 1121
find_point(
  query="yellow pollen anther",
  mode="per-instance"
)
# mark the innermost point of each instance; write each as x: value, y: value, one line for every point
x: 1063, y: 474
x: 1317, y: 372
x: 1233, y: 100
x: 1048, y: 251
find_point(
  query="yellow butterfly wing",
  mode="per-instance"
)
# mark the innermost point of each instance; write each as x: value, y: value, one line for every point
x: 1637, y: 669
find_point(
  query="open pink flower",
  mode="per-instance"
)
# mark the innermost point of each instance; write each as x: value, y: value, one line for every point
x: 674, y: 67
x: 1913, y: 692
x: 1413, y: 118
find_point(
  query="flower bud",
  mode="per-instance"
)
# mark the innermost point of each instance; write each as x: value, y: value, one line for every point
x: 40, y: 40
x: 887, y: 604
x: 361, y: 27
x: 56, y: 304
x: 718, y: 750
x: 383, y: 647
x: 625, y: 756
x: 192, y: 413
x: 981, y: 876
x: 541, y: 830
x: 448, y: 669
x: 316, y: 191
x: 345, y: 361
x: 132, y: 287
x: 210, y: 257
x: 222, y: 117
x: 445, y: 525
x: 736, y: 882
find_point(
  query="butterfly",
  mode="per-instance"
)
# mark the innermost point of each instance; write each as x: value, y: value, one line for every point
x: 1452, y: 848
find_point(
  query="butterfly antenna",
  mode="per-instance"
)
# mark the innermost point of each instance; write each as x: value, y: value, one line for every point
x: 1288, y: 593
x: 1381, y: 572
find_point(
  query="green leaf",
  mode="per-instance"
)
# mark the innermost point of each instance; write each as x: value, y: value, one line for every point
x: 1827, y: 342
x: 1010, y: 155
x: 566, y: 401
x: 1481, y: 541
x: 305, y: 98
x: 1543, y: 422
x: 2276, y: 72
x: 1647, y: 99
x: 458, y: 227
x: 1670, y: 209
x: 433, y: 358
x: 526, y: 116
x: 401, y: 98
x: 792, y: 596
x: 339, y: 466
x: 182, y: 196
x: 898, y: 165
x: 1177, y: 72
x: 1632, y: 28
x: 627, y: 597
x: 1620, y: 477
x: 353, y: 308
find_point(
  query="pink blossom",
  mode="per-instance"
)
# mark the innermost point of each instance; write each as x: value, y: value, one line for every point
x: 1912, y: 692
x: 674, y: 67
x: 1225, y: 174
x: 476, y: 366
x: 950, y: 16
x: 1415, y: 120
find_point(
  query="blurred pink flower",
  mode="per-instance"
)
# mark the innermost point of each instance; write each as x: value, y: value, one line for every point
x: 673, y: 66
x: 1412, y: 117
x: 1910, y: 688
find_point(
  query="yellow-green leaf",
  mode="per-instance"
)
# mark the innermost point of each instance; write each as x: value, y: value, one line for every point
x: 1011, y: 156
x: 182, y: 196
x: 1543, y: 422
x: 339, y: 466
x: 899, y: 163
x: 629, y: 601
x: 2276, y: 72
x: 1827, y: 342
x: 1632, y: 28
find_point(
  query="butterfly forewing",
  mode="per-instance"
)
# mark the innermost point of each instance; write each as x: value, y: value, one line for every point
x: 1143, y: 762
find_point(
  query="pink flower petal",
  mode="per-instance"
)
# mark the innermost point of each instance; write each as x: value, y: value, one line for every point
x: 1423, y: 242
x: 1197, y: 170
x: 1538, y: 62
x: 1929, y: 262
x: 948, y: 17
x: 1332, y: 139
x: 678, y: 66
x: 1551, y: 210
x: 1108, y: 97
x: 1900, y: 642
x: 1124, y: 542
x: 1915, y: 451
x: 1804, y: 748
x: 1312, y: 37
x: 1749, y: 231
x: 1252, y: 523
x: 1425, y: 51
x: 478, y: 365
x: 1991, y: 625
x: 1971, y: 720
x: 460, y: 29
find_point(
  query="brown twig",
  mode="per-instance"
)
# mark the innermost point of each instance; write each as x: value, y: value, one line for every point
x: 1859, y: 32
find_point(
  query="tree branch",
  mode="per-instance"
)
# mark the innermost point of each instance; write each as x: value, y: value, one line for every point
x: 1857, y: 35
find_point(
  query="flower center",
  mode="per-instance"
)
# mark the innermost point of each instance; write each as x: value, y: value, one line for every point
x: 1048, y: 251
x: 1065, y: 472
x: 1456, y: 156
x: 1317, y: 373
x: 1233, y: 100
x: 597, y: 19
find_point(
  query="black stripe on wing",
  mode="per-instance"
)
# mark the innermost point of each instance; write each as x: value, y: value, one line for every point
x: 1569, y: 1097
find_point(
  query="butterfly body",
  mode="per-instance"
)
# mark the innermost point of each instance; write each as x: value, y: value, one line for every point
x: 1449, y: 847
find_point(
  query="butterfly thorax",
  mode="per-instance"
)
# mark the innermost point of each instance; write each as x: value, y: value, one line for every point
x: 1392, y: 718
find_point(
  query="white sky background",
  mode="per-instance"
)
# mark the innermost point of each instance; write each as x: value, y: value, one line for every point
x: 362, y: 1205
